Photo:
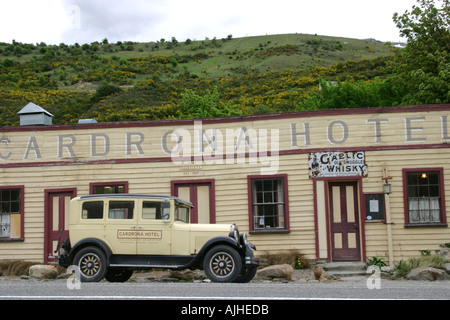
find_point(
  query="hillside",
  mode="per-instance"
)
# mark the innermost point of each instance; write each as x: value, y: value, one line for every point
x: 136, y: 81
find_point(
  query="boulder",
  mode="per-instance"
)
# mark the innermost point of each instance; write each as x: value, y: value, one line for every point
x: 276, y: 271
x: 445, y: 253
x: 447, y: 267
x: 185, y: 275
x: 43, y: 271
x: 429, y: 274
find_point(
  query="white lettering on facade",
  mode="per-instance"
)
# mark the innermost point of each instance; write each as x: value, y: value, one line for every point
x: 32, y: 146
x: 241, y: 145
x: 409, y: 130
x: 68, y: 146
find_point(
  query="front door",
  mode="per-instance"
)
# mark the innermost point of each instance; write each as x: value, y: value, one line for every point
x: 56, y: 220
x: 201, y: 194
x: 344, y: 222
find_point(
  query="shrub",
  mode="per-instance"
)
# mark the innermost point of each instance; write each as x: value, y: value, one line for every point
x: 375, y: 261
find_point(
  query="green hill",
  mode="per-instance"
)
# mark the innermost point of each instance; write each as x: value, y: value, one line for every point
x: 137, y: 81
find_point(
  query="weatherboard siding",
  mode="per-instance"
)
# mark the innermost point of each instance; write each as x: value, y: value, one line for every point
x: 59, y: 157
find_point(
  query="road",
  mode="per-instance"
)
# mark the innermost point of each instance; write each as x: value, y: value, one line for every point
x: 216, y: 301
x: 342, y: 290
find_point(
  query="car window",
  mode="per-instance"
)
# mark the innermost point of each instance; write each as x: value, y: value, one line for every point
x: 92, y: 210
x: 121, y: 210
x: 156, y: 210
x: 182, y: 214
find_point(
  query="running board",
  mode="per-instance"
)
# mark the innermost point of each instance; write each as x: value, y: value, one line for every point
x: 151, y: 261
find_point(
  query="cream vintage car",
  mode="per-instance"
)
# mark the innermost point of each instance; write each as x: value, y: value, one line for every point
x: 112, y: 235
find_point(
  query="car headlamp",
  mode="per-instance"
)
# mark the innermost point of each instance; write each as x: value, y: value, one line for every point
x: 243, y: 239
x: 234, y: 232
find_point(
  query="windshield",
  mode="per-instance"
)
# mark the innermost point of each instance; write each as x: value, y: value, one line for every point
x: 182, y: 214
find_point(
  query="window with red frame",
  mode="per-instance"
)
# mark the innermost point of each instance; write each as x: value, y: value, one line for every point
x: 11, y: 213
x: 424, y: 198
x: 268, y: 204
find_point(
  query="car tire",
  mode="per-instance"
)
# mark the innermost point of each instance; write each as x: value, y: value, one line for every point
x: 222, y: 264
x: 247, y: 274
x: 92, y: 264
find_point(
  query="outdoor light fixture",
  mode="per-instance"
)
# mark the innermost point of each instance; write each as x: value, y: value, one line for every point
x: 424, y: 175
x: 387, y: 188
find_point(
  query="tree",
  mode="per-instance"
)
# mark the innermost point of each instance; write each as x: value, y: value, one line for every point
x: 360, y: 94
x: 207, y: 106
x: 423, y: 67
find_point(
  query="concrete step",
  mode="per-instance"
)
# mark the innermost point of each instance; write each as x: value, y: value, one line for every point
x: 345, y: 268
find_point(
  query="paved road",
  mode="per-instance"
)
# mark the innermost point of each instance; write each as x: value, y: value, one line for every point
x: 342, y: 290
x: 215, y: 301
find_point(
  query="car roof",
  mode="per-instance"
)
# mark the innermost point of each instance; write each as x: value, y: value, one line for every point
x: 133, y: 195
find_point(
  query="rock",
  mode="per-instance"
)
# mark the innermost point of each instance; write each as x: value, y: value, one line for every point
x: 185, y: 275
x: 319, y: 272
x: 43, y: 271
x: 387, y: 272
x: 276, y: 271
x: 444, y: 252
x: 387, y: 269
x: 429, y: 274
x: 447, y: 267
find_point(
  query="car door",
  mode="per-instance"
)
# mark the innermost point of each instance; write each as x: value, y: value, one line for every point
x: 121, y: 226
x: 153, y: 231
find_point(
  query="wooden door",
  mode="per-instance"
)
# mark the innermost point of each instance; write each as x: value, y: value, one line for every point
x: 344, y: 221
x: 56, y: 220
x: 201, y: 195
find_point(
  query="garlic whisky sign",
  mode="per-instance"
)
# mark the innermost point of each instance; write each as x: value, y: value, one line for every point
x: 337, y: 164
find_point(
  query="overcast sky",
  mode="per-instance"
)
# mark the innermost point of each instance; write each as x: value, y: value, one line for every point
x: 86, y: 21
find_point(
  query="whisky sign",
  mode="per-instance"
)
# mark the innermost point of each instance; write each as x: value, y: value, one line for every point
x: 337, y: 164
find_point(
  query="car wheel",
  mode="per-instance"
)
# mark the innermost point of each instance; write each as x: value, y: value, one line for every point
x: 247, y: 274
x: 92, y: 264
x: 222, y: 264
x: 118, y: 274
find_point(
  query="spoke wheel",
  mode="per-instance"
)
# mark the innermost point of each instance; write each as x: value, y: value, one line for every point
x: 222, y: 264
x: 92, y: 264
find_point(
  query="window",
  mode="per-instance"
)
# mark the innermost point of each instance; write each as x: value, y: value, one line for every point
x: 269, y: 205
x: 121, y: 210
x: 182, y: 214
x: 11, y: 214
x: 156, y: 210
x: 424, y: 197
x: 92, y: 210
x: 108, y: 187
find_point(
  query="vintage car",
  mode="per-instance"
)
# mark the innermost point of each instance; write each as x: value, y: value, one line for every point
x: 112, y: 235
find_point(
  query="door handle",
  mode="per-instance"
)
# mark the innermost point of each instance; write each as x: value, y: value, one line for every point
x: 133, y: 227
x: 139, y: 227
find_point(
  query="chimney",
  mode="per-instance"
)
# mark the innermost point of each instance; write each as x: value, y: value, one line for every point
x: 32, y: 114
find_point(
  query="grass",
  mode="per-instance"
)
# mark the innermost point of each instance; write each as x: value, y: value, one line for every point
x: 233, y: 57
x: 424, y: 261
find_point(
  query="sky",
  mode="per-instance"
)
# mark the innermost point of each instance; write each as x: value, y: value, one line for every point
x: 86, y: 21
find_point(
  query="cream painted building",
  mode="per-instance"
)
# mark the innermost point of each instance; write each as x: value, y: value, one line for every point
x: 334, y: 184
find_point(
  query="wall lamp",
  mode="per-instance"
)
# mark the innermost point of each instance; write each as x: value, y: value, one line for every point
x: 387, y: 188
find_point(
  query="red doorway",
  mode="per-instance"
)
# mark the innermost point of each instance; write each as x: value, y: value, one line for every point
x: 56, y: 209
x: 201, y: 194
x: 344, y: 221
